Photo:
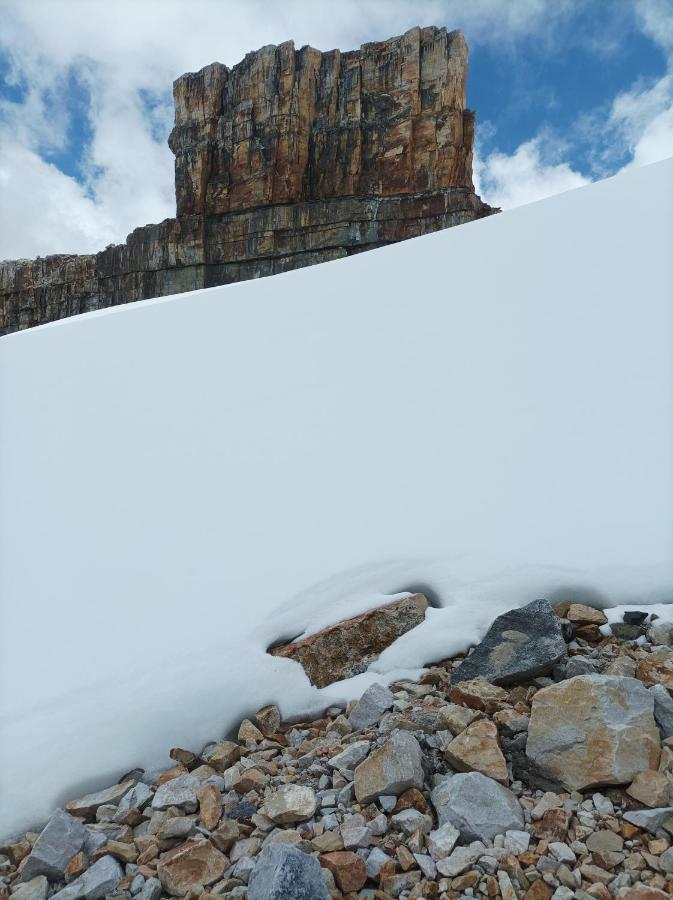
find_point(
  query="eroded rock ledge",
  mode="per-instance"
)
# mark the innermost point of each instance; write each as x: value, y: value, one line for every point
x: 290, y: 158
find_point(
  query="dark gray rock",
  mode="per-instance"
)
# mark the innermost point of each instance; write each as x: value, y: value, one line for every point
x: 61, y: 838
x: 663, y: 709
x: 521, y: 644
x: 284, y: 873
x: 627, y: 631
x: 634, y: 618
x: 477, y: 806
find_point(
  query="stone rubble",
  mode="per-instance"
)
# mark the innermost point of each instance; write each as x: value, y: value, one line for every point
x: 552, y: 787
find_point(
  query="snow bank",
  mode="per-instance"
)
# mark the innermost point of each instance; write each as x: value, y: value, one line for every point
x: 485, y: 414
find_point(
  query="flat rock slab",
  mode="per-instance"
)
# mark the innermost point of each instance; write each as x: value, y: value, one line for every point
x: 519, y: 645
x: 283, y: 872
x: 194, y: 865
x: 593, y: 730
x: 347, y: 648
x: 477, y: 806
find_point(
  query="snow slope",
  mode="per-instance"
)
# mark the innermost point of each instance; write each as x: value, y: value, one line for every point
x: 485, y: 414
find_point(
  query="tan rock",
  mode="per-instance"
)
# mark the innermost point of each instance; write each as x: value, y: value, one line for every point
x: 477, y: 749
x: 349, y: 869
x: 226, y: 835
x: 327, y: 842
x: 538, y: 891
x: 290, y: 803
x: 249, y: 732
x: 656, y: 669
x: 645, y: 892
x: 268, y: 719
x: 479, y: 694
x: 210, y: 806
x: 392, y: 769
x: 553, y: 826
x: 249, y: 780
x: 651, y: 788
x: 194, y: 864
x: 222, y: 755
x: 456, y: 718
x: 593, y: 730
x: 125, y: 852
x: 579, y: 614
x: 347, y: 648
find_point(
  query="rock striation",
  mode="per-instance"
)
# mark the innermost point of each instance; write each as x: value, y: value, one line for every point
x: 289, y: 158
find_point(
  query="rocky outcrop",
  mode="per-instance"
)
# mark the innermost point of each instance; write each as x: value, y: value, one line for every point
x: 290, y: 158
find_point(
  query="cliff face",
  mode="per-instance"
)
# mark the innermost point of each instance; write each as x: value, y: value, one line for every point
x: 288, y: 159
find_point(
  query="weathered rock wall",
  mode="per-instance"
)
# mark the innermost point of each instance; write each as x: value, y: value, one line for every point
x: 288, y: 159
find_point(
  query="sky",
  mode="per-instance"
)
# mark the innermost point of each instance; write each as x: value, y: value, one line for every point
x: 566, y: 92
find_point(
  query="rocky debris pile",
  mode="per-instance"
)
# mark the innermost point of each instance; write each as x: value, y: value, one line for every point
x: 552, y: 787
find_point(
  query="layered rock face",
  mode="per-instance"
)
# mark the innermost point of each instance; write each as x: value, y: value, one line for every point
x: 290, y: 158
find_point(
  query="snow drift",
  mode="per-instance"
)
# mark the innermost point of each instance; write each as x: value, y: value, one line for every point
x: 485, y: 414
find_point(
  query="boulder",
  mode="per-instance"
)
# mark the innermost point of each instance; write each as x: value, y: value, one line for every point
x: 593, y: 730
x: 349, y: 869
x: 392, y: 769
x: 477, y: 749
x: 62, y: 837
x: 663, y: 709
x: 283, y: 872
x: 477, y: 806
x: 290, y: 803
x: 371, y: 706
x: 519, y: 645
x: 347, y: 648
x: 195, y: 864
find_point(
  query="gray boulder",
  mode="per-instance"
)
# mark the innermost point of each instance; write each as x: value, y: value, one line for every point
x: 371, y: 706
x: 61, y: 838
x: 663, y: 709
x: 284, y: 873
x: 477, y: 806
x: 521, y: 644
x: 650, y: 819
x: 98, y: 881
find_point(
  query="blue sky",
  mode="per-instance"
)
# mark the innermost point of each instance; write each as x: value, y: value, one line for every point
x: 566, y: 91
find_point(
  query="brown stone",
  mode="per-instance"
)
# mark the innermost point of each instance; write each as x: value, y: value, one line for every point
x: 75, y: 867
x: 226, y: 835
x: 327, y: 842
x: 125, y: 852
x: 538, y: 890
x: 645, y: 892
x: 656, y: 669
x: 290, y: 158
x: 347, y: 648
x: 268, y: 719
x: 172, y: 773
x: 411, y: 799
x: 349, y: 869
x: 480, y: 694
x: 249, y: 780
x: 477, y: 749
x: 194, y: 864
x: 184, y: 757
x: 248, y: 731
x: 579, y: 614
x: 652, y: 789
x: 590, y: 633
x: 222, y: 755
x: 553, y: 826
x: 210, y: 806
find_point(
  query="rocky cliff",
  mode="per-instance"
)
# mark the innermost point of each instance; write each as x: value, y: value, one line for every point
x: 292, y: 157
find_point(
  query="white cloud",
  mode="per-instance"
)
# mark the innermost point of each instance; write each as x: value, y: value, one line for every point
x: 125, y: 51
x: 528, y: 174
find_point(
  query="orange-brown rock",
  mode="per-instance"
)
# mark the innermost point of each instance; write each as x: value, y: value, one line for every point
x: 349, y: 870
x: 194, y: 864
x: 347, y: 648
x: 585, y: 615
x: 477, y: 693
x: 210, y: 805
x: 477, y: 749
x: 290, y: 158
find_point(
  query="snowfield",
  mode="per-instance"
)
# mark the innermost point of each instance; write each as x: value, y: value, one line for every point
x: 485, y: 414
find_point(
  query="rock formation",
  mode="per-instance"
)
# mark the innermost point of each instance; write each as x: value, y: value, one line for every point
x: 292, y: 157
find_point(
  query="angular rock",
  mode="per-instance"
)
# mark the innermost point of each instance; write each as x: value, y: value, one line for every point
x: 579, y: 614
x: 649, y: 819
x: 180, y: 792
x: 442, y: 841
x: 352, y: 756
x: 392, y: 769
x: 477, y: 806
x: 290, y: 803
x: 349, y: 869
x: 284, y: 873
x: 456, y: 718
x: 87, y: 806
x: 519, y: 645
x: 61, y: 838
x: 347, y: 648
x: 195, y: 864
x: 371, y: 706
x: 151, y: 890
x: 35, y: 889
x: 97, y: 882
x: 480, y: 694
x: 477, y: 750
x: 663, y: 709
x: 210, y: 805
x: 593, y: 730
x: 249, y: 732
x: 222, y: 755
x: 651, y: 788
x: 268, y: 719
x: 656, y: 669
